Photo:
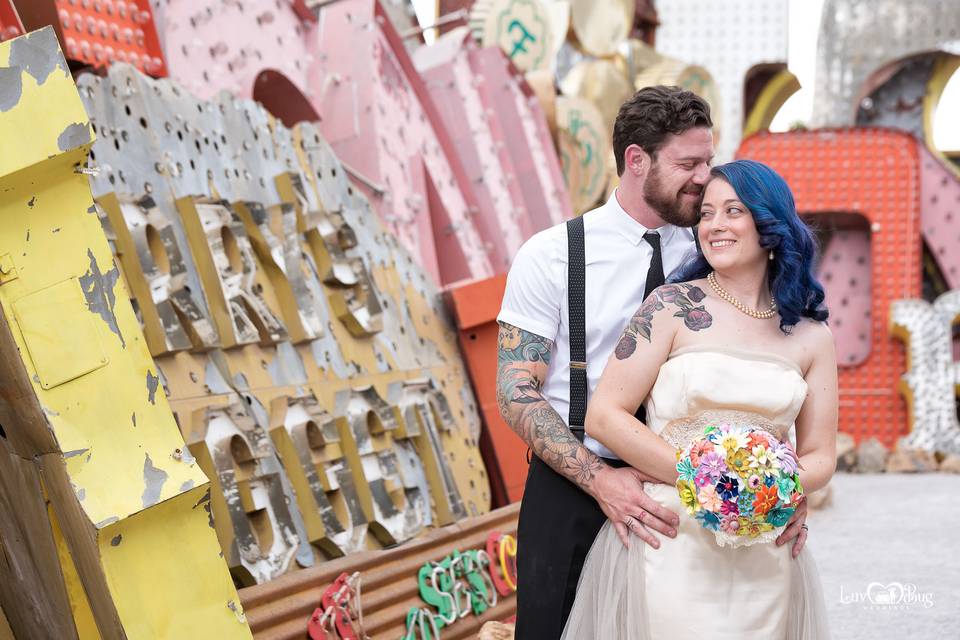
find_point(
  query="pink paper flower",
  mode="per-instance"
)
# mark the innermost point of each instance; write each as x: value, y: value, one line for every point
x: 709, y: 499
x: 698, y: 450
x: 713, y: 465
x: 730, y: 524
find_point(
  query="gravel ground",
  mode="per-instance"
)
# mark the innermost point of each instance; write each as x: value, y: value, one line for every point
x: 888, y: 529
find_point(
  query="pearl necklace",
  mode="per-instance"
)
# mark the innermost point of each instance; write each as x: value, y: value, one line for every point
x: 753, y: 313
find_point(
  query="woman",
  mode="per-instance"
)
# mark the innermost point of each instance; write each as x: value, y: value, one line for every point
x: 742, y: 338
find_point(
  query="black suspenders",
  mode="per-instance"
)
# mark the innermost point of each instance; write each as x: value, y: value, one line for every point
x: 576, y: 319
x: 576, y: 315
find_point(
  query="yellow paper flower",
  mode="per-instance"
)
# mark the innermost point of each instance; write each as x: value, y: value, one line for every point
x: 739, y: 461
x: 688, y: 495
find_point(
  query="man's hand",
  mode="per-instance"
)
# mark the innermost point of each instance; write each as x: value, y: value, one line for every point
x: 619, y: 492
x: 795, y: 529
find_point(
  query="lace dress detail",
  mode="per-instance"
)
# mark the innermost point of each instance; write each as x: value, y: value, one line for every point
x: 682, y: 431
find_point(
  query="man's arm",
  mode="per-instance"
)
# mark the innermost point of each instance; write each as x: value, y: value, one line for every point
x: 523, y: 359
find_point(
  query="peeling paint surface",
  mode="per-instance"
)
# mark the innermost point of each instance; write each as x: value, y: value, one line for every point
x: 75, y: 135
x: 98, y: 290
x: 153, y: 479
x: 11, y: 87
x: 38, y: 54
x: 152, y: 383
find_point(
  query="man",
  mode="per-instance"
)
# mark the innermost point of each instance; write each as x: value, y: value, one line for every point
x: 663, y: 145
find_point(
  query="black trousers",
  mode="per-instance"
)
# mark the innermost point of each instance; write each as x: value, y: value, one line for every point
x: 557, y: 525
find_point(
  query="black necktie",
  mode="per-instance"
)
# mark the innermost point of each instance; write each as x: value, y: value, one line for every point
x: 655, y: 273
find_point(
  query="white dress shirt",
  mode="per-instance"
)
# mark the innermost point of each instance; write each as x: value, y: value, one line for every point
x: 617, y: 260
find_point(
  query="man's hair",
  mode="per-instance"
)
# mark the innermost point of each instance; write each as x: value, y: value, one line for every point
x: 652, y: 114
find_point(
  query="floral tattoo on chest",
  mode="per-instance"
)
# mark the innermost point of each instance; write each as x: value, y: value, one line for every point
x: 685, y: 297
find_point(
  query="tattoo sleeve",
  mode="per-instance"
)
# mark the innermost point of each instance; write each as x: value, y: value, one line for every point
x: 684, y: 297
x: 523, y: 359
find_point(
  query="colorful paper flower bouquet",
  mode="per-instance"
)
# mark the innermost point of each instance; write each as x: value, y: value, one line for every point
x: 739, y: 482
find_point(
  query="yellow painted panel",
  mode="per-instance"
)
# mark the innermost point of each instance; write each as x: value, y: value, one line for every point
x: 115, y: 418
x: 125, y: 458
x: 61, y: 351
x: 41, y: 109
x: 204, y: 604
x: 79, y: 605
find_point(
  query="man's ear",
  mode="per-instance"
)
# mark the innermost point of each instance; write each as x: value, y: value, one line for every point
x: 636, y: 160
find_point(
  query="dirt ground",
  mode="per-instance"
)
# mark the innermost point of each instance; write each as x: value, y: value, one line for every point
x: 890, y: 538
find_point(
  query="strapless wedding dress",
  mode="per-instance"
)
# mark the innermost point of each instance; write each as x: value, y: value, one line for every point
x: 691, y: 587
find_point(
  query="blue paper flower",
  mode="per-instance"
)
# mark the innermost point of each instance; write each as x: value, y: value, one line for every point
x: 785, y: 487
x: 708, y: 520
x: 780, y: 516
x: 685, y: 469
x: 728, y: 487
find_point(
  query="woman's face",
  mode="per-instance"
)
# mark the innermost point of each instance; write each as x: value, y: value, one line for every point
x: 728, y: 235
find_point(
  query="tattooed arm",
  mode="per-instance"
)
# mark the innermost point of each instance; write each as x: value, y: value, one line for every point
x: 631, y: 372
x: 523, y: 360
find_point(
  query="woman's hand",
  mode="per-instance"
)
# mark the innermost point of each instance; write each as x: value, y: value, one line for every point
x: 796, y: 529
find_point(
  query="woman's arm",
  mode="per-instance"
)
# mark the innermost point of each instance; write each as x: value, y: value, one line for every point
x: 629, y: 376
x: 817, y: 420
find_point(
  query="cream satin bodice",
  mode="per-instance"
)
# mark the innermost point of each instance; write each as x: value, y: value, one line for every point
x: 702, y: 378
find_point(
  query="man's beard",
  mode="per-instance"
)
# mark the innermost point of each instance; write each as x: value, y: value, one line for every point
x: 671, y: 206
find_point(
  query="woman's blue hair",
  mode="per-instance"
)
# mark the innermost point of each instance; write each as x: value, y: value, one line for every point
x: 792, y: 281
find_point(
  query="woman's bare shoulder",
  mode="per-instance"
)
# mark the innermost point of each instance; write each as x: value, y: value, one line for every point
x: 814, y: 331
x: 816, y: 341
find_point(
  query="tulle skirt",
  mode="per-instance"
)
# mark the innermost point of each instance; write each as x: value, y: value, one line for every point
x: 691, y: 588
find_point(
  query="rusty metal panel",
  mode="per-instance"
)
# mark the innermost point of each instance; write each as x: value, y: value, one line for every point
x: 930, y: 382
x: 906, y: 100
x: 213, y: 45
x: 858, y: 41
x: 381, y: 121
x: 454, y: 85
x: 280, y: 609
x: 299, y: 297
x: 102, y: 32
x: 940, y: 215
x: 10, y: 25
x: 526, y: 133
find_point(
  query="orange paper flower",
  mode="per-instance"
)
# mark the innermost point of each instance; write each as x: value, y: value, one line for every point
x: 766, y: 499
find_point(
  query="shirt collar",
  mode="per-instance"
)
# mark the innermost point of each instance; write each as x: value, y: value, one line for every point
x: 633, y: 230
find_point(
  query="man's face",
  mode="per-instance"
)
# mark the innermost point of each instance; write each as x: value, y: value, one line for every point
x: 675, y: 181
